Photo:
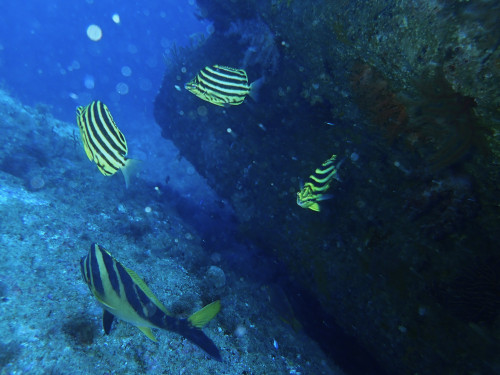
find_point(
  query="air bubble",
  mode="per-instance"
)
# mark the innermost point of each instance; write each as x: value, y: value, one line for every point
x: 122, y: 88
x: 94, y: 33
x: 126, y: 71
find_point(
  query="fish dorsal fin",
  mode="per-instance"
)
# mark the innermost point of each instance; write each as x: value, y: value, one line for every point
x: 201, y: 317
x: 147, y: 331
x: 144, y: 287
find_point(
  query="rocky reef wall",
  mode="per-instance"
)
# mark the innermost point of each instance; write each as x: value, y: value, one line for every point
x: 405, y: 254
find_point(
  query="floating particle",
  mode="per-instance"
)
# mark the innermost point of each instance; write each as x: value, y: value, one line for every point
x: 132, y: 48
x: 165, y: 43
x: 75, y: 65
x: 177, y: 87
x: 122, y: 88
x: 116, y: 18
x: 202, y: 110
x: 354, y: 156
x: 151, y: 62
x: 275, y: 344
x: 240, y: 331
x: 126, y: 71
x: 215, y: 257
x: 94, y: 33
x: 210, y: 29
x: 36, y: 183
x: 145, y: 84
x: 89, y: 82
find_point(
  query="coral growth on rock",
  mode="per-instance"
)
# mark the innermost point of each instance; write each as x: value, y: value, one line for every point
x: 374, y: 95
x: 259, y: 44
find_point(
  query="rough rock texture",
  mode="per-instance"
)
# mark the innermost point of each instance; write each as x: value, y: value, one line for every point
x: 404, y: 255
x: 51, y: 324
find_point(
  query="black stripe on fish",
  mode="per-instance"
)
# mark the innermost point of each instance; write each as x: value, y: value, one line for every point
x: 87, y: 125
x: 135, y: 297
x: 103, y: 141
x: 95, y: 271
x: 107, y: 126
x: 230, y: 82
x: 323, y: 175
x: 229, y: 85
x: 220, y: 85
x: 102, y: 133
x: 109, y: 262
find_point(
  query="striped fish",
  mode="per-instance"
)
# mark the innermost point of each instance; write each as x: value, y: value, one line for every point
x: 223, y: 86
x: 314, y: 190
x: 103, y: 142
x: 123, y: 294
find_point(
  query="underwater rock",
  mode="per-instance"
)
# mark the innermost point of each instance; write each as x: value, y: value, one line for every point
x: 216, y: 277
x: 390, y: 233
x: 258, y: 42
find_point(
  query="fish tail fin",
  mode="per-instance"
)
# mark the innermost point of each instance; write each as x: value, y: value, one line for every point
x: 132, y: 166
x: 255, y: 88
x: 197, y: 337
x: 190, y: 328
x: 201, y: 317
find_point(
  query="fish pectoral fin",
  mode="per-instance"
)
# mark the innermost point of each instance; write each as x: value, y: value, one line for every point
x: 255, y: 88
x: 201, y: 317
x: 107, y: 320
x: 147, y: 331
x: 324, y: 197
x: 132, y: 166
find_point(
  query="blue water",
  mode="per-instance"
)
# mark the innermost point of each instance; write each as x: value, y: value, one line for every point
x: 47, y: 57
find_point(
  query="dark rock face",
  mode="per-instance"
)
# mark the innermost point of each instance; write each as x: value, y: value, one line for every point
x: 389, y: 255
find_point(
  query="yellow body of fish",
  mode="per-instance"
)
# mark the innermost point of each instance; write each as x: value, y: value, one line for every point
x: 314, y: 190
x: 223, y: 86
x: 103, y: 142
x: 123, y: 294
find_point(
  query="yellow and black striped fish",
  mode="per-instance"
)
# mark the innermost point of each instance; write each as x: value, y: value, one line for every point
x: 223, y: 86
x: 104, y: 143
x: 314, y: 191
x: 122, y: 293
